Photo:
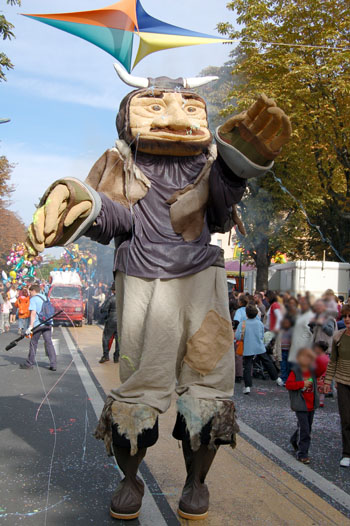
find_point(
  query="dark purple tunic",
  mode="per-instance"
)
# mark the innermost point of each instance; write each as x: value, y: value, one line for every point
x: 152, y: 249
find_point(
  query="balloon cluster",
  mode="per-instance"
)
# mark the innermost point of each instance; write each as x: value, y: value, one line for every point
x: 22, y: 266
x: 279, y: 258
x: 83, y: 261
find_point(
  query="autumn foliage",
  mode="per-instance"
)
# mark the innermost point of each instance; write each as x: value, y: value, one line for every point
x: 299, y: 54
x: 12, y: 230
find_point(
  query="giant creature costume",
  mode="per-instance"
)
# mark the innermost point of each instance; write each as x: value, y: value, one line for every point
x: 160, y: 193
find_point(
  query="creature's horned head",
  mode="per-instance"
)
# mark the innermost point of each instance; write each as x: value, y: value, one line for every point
x: 164, y: 116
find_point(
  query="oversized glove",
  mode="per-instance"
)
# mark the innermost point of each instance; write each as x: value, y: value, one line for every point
x: 29, y: 331
x: 259, y: 133
x: 66, y: 202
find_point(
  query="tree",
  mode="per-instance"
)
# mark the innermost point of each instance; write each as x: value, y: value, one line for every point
x: 12, y: 231
x: 5, y: 187
x: 272, y: 220
x: 46, y: 268
x: 216, y: 94
x: 11, y: 227
x: 299, y: 53
x: 6, y: 32
x: 273, y: 225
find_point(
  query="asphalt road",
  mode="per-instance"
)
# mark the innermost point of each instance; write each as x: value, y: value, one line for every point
x: 65, y: 478
x: 81, y: 473
x: 267, y: 410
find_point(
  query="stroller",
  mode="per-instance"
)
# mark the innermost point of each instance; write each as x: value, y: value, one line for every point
x: 258, y: 368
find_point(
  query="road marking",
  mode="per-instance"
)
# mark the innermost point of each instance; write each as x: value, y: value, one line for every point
x: 150, y: 514
x: 324, y: 485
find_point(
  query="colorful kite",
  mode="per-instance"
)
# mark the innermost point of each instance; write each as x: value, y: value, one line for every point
x: 113, y: 28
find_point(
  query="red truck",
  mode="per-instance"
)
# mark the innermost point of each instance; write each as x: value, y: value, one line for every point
x: 67, y: 297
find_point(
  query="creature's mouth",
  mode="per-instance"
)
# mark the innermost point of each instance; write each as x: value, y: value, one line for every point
x: 185, y: 131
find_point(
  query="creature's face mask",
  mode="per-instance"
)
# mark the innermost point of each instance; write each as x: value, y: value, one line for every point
x: 166, y: 122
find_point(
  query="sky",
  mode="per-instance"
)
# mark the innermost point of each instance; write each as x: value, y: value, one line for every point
x: 63, y: 95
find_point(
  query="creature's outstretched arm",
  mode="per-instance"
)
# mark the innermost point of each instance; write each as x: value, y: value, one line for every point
x: 70, y: 209
x: 64, y: 213
x: 250, y: 141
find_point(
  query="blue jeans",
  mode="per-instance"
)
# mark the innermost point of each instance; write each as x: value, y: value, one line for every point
x: 23, y: 323
x: 285, y: 366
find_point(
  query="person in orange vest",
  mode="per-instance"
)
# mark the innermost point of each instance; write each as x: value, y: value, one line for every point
x: 22, y: 304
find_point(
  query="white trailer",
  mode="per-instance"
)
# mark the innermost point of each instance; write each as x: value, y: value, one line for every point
x: 299, y: 277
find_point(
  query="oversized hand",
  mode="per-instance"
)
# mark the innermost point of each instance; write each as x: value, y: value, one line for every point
x: 51, y: 216
x: 264, y: 125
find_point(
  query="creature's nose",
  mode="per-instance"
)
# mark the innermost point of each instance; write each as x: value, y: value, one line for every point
x: 174, y: 118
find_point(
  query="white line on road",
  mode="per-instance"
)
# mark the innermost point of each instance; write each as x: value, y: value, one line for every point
x: 328, y: 488
x: 150, y: 514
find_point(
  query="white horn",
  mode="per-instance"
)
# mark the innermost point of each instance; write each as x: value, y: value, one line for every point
x: 195, y: 82
x: 136, y: 82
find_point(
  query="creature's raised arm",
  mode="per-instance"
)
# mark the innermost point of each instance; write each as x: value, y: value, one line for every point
x: 250, y: 141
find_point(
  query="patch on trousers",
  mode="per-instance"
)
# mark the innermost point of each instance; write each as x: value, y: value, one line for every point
x: 209, y: 344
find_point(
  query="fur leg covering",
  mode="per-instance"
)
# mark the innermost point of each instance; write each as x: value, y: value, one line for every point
x: 132, y: 422
x: 209, y: 422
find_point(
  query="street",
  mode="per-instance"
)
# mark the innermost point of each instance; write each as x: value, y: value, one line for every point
x: 54, y: 472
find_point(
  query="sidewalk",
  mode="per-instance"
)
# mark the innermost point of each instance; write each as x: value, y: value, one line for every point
x: 247, y: 488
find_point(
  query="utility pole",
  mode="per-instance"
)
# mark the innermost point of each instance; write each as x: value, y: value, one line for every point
x: 240, y: 271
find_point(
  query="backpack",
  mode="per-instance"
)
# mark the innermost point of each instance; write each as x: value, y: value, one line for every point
x: 47, y: 311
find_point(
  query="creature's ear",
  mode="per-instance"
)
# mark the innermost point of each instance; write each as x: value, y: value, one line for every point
x: 136, y: 82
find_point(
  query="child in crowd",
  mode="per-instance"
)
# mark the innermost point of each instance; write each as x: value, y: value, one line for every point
x: 322, y: 360
x: 6, y: 310
x: 302, y: 387
x: 285, y: 340
x: 251, y: 332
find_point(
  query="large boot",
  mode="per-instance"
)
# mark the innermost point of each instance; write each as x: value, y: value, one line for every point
x: 194, y: 502
x: 127, y: 500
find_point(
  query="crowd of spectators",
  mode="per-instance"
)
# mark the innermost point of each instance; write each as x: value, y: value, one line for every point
x: 302, y: 343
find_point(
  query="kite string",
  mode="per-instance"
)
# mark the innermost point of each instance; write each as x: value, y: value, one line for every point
x: 310, y: 46
x: 46, y: 398
x: 54, y: 444
x: 52, y: 388
x: 302, y: 208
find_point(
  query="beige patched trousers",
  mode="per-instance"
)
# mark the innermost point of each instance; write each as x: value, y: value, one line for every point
x: 174, y: 335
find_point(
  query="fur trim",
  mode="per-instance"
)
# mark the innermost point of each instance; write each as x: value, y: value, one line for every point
x: 104, y: 426
x: 197, y: 413
x: 131, y: 420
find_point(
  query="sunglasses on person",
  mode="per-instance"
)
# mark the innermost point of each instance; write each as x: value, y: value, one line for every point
x: 346, y: 316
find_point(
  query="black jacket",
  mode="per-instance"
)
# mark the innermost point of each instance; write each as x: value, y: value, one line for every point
x: 109, y: 309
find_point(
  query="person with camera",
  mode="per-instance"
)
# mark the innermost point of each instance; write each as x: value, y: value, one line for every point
x: 323, y: 325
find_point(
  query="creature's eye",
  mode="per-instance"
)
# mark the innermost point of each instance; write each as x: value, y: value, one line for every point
x: 191, y: 109
x: 156, y: 107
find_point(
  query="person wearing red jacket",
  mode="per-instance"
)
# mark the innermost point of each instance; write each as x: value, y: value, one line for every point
x: 302, y: 387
